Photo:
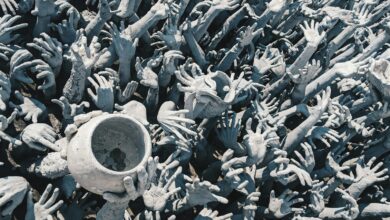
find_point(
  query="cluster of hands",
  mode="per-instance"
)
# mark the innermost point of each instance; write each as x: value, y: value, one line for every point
x: 256, y: 109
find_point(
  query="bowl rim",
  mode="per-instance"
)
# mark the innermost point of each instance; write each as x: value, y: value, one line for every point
x: 148, y: 143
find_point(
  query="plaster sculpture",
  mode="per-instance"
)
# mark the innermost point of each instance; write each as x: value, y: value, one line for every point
x: 108, y: 148
x: 191, y: 109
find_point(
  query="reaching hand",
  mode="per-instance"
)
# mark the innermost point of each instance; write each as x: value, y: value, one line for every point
x: 322, y: 134
x: 5, y: 122
x: 51, y: 50
x: 19, y: 66
x: 281, y: 206
x: 174, y: 122
x: 351, y: 209
x: 30, y: 108
x: 9, y: 5
x: 40, y: 136
x: 157, y: 196
x: 283, y: 175
x: 201, y: 193
x: 46, y: 205
x: 350, y: 68
x: 145, y: 177
x: 306, y: 74
x: 84, y: 55
x: 67, y: 28
x: 267, y: 61
x: 276, y: 6
x: 307, y: 162
x: 209, y: 214
x: 317, y: 203
x: 126, y: 8
x: 44, y: 72
x: 228, y: 129
x: 368, y: 174
x: 44, y: 8
x: 256, y: 143
x: 312, y: 33
x: 124, y: 45
x: 161, y: 9
x: 225, y: 5
x: 12, y: 192
x: 146, y: 75
x: 104, y: 98
x: 246, y: 36
x: 6, y: 27
x: 5, y: 91
x: 125, y: 95
x: 105, y: 12
x: 69, y: 111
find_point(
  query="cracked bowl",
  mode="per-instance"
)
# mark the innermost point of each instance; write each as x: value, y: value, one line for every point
x: 105, y: 150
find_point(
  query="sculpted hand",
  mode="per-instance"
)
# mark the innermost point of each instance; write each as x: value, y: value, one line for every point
x: 125, y: 95
x: 69, y: 111
x: 256, y: 143
x: 104, y: 98
x: 312, y: 32
x: 174, y: 122
x: 67, y: 29
x: 6, y: 27
x: 124, y: 45
x: 350, y: 68
x: 306, y: 74
x: 246, y: 36
x: 368, y: 174
x: 276, y: 6
x: 9, y: 5
x: 209, y: 214
x: 5, y: 122
x: 307, y: 162
x: 5, y: 91
x: 317, y: 203
x: 225, y: 5
x: 267, y: 61
x: 84, y: 54
x: 12, y: 192
x: 126, y: 8
x: 284, y: 177
x: 46, y: 205
x: 322, y: 134
x: 105, y: 13
x: 250, y: 207
x: 145, y: 177
x: 39, y: 137
x: 228, y: 129
x: 19, y: 66
x: 156, y: 197
x: 30, y: 108
x: 51, y: 50
x: 201, y: 193
x: 134, y: 109
x: 44, y: 72
x: 281, y: 206
x: 351, y: 209
x: 146, y: 75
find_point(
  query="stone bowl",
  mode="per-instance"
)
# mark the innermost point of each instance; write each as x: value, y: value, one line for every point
x: 105, y: 150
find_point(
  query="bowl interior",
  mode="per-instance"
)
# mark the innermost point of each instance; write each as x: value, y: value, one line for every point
x: 118, y: 144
